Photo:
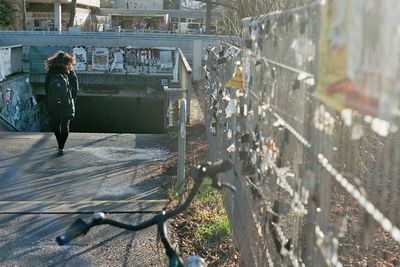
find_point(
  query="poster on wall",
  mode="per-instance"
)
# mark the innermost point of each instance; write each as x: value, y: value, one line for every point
x: 5, y: 59
x: 132, y: 59
x: 144, y: 56
x: 100, y: 59
x: 117, y: 64
x: 165, y: 60
x: 359, y: 67
x: 80, y: 55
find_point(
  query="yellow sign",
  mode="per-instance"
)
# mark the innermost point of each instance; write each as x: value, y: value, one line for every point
x: 237, y: 80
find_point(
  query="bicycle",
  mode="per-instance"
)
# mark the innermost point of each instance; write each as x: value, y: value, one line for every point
x: 208, y: 169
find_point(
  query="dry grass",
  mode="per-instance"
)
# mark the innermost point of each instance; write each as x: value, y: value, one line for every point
x: 204, y: 228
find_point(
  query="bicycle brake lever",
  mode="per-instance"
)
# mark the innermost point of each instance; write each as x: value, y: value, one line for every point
x: 210, y: 169
x: 219, y: 185
x: 229, y: 186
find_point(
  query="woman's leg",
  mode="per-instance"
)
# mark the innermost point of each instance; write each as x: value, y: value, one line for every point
x: 64, y: 131
x: 55, y: 123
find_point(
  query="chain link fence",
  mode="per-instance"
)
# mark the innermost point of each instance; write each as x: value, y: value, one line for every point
x: 309, y: 119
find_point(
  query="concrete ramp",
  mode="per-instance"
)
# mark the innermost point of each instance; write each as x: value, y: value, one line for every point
x: 41, y: 193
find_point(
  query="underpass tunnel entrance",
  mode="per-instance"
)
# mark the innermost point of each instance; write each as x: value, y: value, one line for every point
x: 118, y: 115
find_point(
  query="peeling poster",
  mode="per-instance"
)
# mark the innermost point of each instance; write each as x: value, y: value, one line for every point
x: 100, y: 59
x: 359, y: 67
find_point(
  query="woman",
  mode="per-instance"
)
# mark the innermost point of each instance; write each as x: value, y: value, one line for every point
x: 60, y: 70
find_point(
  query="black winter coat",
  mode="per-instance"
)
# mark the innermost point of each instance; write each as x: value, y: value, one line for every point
x: 67, y: 111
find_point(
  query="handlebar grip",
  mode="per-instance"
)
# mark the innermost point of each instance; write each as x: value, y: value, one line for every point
x: 78, y: 228
x: 195, y: 261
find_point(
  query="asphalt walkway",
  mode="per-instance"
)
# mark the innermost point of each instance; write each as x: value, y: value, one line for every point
x: 42, y: 193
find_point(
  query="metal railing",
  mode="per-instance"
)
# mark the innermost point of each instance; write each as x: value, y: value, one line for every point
x: 318, y: 186
x: 178, y: 98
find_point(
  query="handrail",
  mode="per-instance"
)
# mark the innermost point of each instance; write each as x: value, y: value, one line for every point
x: 184, y: 61
x: 5, y: 125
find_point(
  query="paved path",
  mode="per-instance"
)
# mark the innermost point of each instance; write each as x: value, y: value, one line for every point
x: 99, y: 172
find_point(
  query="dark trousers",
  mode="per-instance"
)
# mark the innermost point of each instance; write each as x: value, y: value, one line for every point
x: 60, y: 127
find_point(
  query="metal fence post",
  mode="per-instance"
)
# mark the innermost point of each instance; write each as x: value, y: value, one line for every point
x: 181, y: 146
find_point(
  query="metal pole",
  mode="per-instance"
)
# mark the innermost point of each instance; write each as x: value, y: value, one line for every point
x: 24, y: 27
x: 57, y: 15
x: 181, y: 147
x: 208, y: 15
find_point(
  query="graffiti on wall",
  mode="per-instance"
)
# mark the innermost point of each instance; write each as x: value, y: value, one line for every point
x: 18, y: 105
x: 123, y: 59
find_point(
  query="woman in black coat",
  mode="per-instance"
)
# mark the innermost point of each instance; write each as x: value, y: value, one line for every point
x: 61, y: 67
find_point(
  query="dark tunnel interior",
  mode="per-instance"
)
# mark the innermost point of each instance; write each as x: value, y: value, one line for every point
x: 118, y: 115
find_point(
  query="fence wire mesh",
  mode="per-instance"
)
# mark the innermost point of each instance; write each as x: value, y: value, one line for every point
x: 313, y: 135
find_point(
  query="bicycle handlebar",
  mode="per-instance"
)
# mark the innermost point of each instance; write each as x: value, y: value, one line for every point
x: 211, y: 169
x: 78, y: 228
x: 208, y: 169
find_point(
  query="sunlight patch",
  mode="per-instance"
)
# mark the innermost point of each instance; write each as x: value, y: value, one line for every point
x: 123, y: 154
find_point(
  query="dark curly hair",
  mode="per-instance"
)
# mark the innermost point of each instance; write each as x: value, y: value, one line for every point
x: 60, y: 59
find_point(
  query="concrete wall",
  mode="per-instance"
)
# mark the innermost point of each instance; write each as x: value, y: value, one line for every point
x: 18, y: 105
x: 192, y: 46
x: 11, y: 60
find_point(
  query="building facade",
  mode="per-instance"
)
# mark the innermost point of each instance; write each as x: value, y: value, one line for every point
x: 117, y: 15
x: 49, y: 15
x: 156, y: 15
x: 137, y: 4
